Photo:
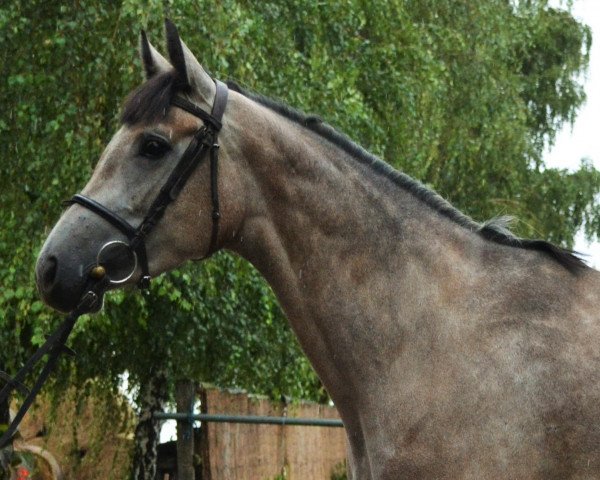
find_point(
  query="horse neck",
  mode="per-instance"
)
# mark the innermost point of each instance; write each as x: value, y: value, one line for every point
x: 345, y: 250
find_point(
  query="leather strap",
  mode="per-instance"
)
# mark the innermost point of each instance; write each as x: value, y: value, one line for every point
x: 214, y: 189
x: 111, y: 217
x: 220, y: 102
x: 120, y: 223
x: 195, y: 110
x: 204, y: 139
x: 53, y: 347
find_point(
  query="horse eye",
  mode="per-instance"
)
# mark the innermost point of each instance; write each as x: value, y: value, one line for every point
x: 154, y: 148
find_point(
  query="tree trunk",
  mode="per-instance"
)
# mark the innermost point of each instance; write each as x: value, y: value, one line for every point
x: 151, y: 399
x: 185, y: 394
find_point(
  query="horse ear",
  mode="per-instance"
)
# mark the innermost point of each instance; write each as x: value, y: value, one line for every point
x: 153, y: 61
x: 190, y: 73
x: 176, y: 54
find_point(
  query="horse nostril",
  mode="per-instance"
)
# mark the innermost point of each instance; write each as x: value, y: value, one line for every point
x: 49, y: 271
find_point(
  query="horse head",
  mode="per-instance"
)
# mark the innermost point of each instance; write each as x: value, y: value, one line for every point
x: 166, y: 135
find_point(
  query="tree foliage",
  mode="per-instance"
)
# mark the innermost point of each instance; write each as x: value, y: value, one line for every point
x: 462, y: 95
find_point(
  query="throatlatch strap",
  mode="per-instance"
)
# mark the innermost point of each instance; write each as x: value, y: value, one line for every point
x: 214, y: 121
x: 221, y: 95
x: 214, y: 190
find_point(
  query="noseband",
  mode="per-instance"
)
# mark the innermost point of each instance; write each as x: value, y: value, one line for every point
x: 204, y: 140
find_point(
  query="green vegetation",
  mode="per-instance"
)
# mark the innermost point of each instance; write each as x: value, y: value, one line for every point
x: 462, y: 95
x: 339, y: 472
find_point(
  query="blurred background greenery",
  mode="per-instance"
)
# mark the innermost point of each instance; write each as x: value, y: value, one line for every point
x: 462, y: 95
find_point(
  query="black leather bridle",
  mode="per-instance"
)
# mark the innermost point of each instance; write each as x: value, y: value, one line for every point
x: 204, y: 140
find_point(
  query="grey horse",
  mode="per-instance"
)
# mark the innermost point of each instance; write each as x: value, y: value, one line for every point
x: 452, y: 349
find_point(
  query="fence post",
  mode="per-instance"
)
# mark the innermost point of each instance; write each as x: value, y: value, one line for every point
x: 204, y: 436
x: 185, y: 396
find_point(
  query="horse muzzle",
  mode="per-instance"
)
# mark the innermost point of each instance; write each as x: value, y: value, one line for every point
x: 62, y: 282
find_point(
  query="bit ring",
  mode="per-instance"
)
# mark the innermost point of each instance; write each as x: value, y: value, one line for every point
x: 105, y: 261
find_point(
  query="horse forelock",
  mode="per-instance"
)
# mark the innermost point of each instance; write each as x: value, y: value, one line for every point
x: 151, y: 100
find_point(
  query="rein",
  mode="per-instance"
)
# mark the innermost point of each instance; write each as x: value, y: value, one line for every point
x: 53, y: 347
x: 203, y: 141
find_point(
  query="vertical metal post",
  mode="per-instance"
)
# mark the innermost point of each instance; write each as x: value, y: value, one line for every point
x: 185, y: 396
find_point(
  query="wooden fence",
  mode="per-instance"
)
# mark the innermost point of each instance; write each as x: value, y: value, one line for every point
x: 234, y: 451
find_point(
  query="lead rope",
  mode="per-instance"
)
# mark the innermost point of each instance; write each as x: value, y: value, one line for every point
x: 53, y: 346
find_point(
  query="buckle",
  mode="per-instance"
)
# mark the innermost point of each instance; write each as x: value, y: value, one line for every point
x: 144, y: 283
x: 89, y: 299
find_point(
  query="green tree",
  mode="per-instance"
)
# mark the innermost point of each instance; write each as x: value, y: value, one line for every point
x: 462, y: 95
